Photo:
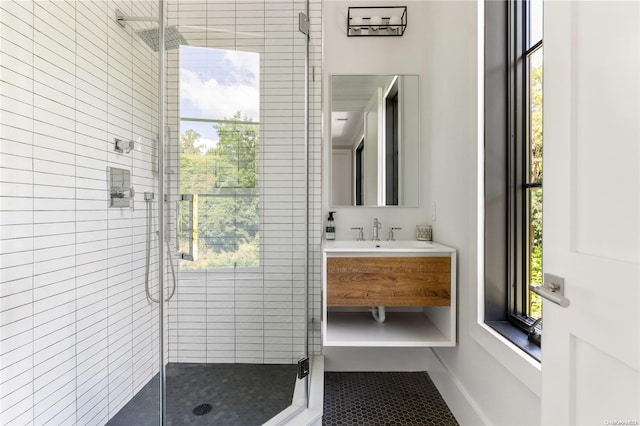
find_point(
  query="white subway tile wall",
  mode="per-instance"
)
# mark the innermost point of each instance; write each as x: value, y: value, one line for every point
x: 249, y: 316
x: 78, y: 337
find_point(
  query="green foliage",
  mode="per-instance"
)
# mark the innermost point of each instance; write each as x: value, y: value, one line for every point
x: 536, y: 124
x: 188, y: 140
x: 535, y: 219
x: 225, y: 178
x: 535, y: 302
x: 246, y: 255
x: 235, y: 155
x: 535, y: 195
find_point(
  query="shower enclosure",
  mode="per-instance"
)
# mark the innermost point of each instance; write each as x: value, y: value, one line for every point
x: 173, y: 288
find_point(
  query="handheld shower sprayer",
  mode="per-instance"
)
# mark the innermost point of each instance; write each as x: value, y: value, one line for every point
x: 148, y: 198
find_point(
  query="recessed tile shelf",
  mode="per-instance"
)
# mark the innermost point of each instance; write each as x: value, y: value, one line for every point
x: 354, y: 279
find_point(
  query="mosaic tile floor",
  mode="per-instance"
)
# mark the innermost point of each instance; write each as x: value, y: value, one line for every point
x: 239, y: 395
x: 387, y: 398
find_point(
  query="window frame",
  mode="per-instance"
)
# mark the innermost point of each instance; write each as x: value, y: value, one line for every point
x: 506, y: 163
x: 520, y: 186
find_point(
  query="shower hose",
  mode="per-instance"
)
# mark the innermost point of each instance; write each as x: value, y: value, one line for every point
x: 146, y: 271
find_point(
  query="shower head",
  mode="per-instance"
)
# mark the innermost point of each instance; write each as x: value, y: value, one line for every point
x: 151, y: 36
x: 172, y: 38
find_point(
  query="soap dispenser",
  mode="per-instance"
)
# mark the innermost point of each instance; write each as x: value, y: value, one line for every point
x: 330, y: 230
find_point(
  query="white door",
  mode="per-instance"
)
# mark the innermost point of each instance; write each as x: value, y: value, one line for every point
x: 590, y: 350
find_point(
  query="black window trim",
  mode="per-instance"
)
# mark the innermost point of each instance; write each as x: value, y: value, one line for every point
x: 519, y: 144
x: 505, y: 123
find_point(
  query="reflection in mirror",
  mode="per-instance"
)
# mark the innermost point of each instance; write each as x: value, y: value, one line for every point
x: 375, y: 140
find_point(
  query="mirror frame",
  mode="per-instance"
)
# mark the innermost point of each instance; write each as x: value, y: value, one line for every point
x: 416, y: 154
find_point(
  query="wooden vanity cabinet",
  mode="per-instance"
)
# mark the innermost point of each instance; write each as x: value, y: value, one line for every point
x: 417, y: 288
x: 388, y: 281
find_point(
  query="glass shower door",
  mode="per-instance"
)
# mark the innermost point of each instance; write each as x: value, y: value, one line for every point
x: 236, y: 172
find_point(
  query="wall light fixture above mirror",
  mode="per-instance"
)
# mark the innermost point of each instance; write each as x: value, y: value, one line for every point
x: 375, y: 140
x: 376, y: 21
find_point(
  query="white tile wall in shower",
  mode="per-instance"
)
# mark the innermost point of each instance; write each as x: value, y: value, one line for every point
x: 77, y: 336
x: 16, y: 288
x: 107, y: 251
x: 256, y: 316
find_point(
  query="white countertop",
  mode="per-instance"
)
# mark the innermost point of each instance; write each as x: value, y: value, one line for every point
x: 406, y: 246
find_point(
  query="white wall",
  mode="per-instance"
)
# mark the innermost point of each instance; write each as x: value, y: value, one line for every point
x: 482, y: 378
x: 372, y: 138
x: 342, y: 169
x: 78, y: 338
x: 409, y: 174
x: 370, y: 55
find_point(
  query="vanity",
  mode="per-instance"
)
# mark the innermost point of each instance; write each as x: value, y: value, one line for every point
x: 381, y: 293
x: 415, y: 281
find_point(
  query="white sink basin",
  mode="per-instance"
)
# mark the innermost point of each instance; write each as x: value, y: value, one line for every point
x: 382, y: 246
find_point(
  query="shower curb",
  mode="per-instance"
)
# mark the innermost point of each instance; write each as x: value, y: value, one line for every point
x: 296, y: 414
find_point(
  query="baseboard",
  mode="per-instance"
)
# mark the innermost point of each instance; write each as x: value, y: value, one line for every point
x: 459, y: 401
x: 375, y: 359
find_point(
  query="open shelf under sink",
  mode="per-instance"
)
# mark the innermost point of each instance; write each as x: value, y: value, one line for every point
x: 415, y: 282
x: 399, y: 329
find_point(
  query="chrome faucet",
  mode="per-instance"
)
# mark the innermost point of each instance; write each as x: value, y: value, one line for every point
x: 391, y: 237
x: 360, y: 233
x: 376, y: 225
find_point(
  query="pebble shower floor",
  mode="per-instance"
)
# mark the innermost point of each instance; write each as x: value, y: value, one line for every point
x: 213, y: 394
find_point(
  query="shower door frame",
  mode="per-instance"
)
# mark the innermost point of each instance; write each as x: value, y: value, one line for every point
x: 161, y: 206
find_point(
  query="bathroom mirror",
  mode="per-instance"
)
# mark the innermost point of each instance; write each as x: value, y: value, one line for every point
x: 375, y: 140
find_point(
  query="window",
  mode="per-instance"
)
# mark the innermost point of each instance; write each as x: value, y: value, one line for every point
x: 219, y: 105
x: 526, y: 160
x: 513, y: 167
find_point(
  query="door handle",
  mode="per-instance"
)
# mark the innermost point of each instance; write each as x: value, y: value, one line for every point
x: 187, y: 228
x: 552, y: 289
